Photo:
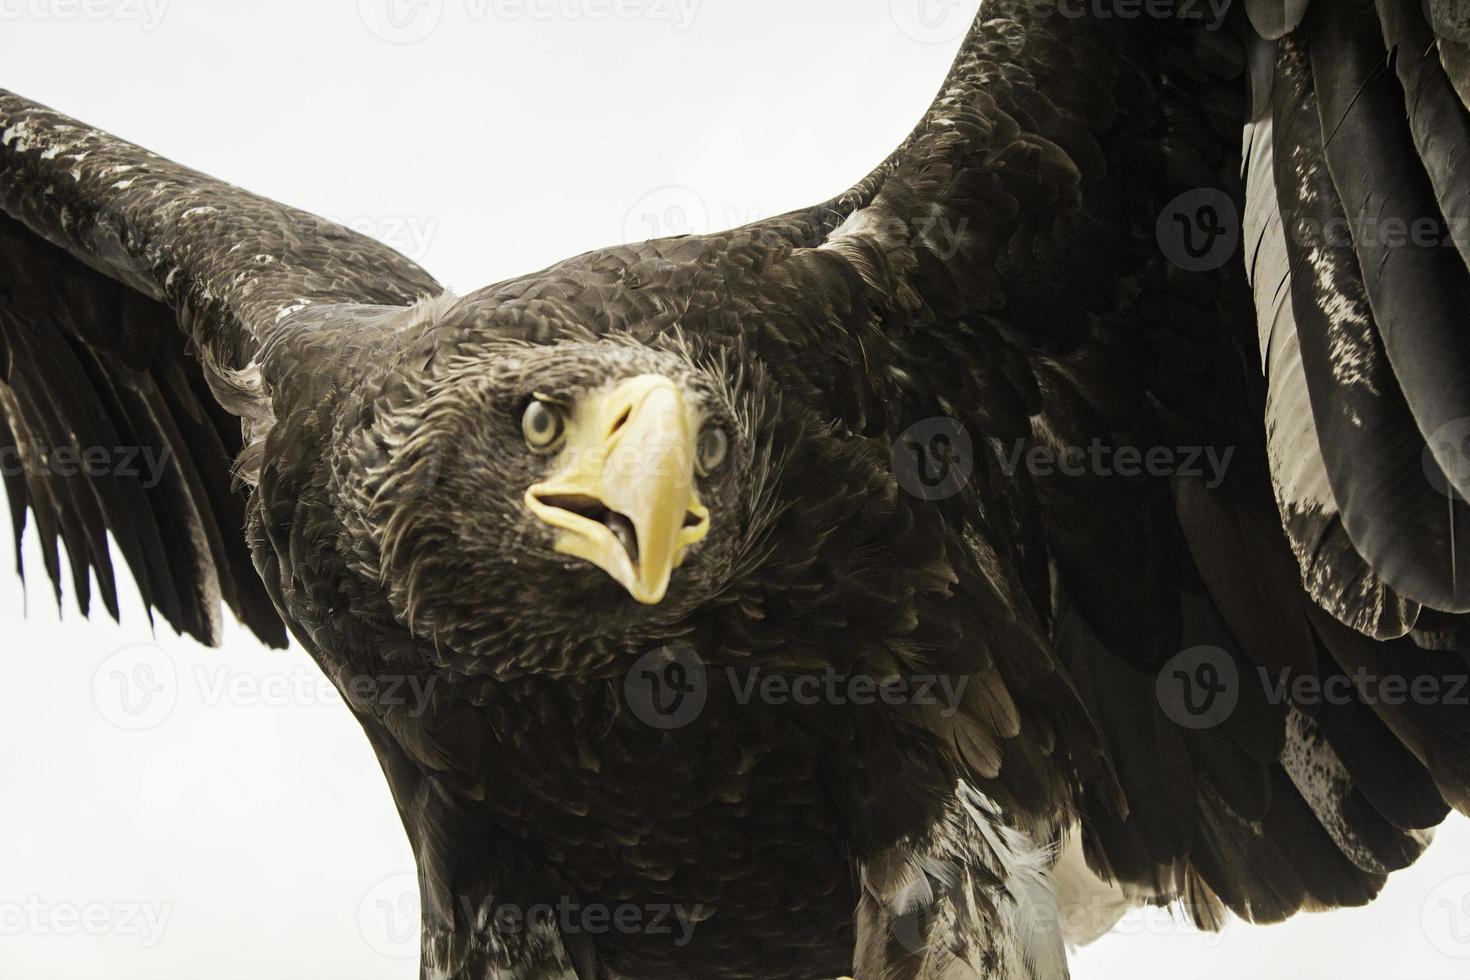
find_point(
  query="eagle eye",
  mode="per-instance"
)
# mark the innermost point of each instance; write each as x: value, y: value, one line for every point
x: 542, y: 425
x: 711, y: 449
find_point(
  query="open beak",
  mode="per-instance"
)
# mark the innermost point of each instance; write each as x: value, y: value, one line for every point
x: 623, y: 496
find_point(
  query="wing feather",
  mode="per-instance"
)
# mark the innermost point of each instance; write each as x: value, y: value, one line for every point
x: 135, y: 298
x: 1057, y: 142
x: 1416, y: 292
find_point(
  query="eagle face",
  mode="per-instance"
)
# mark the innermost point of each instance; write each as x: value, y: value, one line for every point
x: 620, y: 491
x: 592, y: 492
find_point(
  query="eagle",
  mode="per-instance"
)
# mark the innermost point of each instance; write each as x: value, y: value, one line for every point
x: 1067, y: 516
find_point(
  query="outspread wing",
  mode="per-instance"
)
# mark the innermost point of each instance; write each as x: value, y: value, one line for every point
x: 1241, y: 546
x: 135, y: 295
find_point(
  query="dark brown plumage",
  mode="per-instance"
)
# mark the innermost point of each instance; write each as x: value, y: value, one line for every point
x: 418, y: 499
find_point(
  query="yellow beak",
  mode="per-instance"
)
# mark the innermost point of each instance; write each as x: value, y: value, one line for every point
x: 623, y: 495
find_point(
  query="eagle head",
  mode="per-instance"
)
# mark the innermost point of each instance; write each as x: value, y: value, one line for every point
x: 538, y: 505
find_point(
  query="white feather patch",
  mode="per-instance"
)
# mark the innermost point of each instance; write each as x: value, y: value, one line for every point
x: 1088, y: 906
x: 971, y: 899
x: 1297, y: 469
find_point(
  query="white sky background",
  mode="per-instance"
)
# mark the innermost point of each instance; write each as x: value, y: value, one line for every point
x: 245, y: 831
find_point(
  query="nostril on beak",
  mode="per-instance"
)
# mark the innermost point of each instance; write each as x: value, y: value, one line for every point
x: 621, y: 420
